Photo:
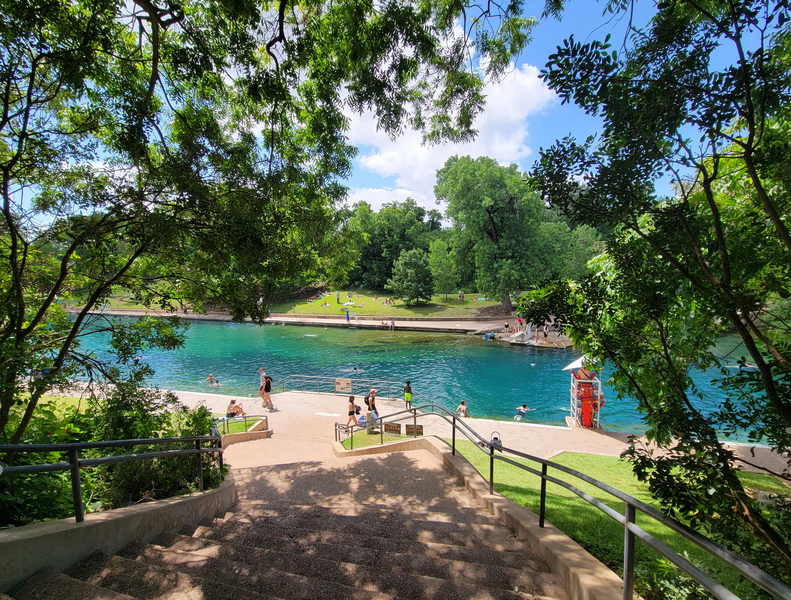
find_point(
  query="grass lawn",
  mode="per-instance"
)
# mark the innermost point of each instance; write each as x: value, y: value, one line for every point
x: 365, y: 305
x: 237, y: 426
x: 592, y: 529
x: 363, y: 439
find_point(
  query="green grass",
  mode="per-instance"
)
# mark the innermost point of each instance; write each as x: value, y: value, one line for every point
x: 363, y: 439
x: 592, y: 529
x: 238, y: 426
x: 367, y: 306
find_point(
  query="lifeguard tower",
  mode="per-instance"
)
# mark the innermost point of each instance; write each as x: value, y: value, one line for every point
x: 586, y: 395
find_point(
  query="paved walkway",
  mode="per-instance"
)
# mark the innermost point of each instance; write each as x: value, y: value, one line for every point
x: 304, y: 423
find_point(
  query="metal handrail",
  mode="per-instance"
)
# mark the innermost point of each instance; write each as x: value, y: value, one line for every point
x: 631, y: 529
x: 329, y: 384
x: 75, y: 463
x: 224, y: 422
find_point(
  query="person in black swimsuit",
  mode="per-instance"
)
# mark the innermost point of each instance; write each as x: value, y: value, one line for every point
x: 352, y: 420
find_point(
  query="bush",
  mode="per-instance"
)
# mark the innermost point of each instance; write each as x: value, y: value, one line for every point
x: 121, y: 412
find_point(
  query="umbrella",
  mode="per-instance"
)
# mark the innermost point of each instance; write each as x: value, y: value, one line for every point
x: 577, y: 364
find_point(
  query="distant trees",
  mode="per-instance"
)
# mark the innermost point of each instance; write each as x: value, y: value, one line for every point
x: 411, y: 279
x: 397, y: 227
x: 443, y: 268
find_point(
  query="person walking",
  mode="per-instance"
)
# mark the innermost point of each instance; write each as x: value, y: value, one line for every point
x: 268, y: 392
x: 408, y: 395
x: 352, y: 420
x: 262, y: 381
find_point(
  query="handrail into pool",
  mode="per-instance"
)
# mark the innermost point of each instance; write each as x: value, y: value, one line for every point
x: 364, y: 385
x: 631, y: 529
x: 75, y: 464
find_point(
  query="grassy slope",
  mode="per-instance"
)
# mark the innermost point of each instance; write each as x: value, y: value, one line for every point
x: 592, y: 529
x: 365, y: 305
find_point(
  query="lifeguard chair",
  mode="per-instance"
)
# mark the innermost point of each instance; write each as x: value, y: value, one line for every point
x: 586, y: 398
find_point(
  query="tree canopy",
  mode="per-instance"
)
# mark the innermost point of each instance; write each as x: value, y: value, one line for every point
x: 699, y: 97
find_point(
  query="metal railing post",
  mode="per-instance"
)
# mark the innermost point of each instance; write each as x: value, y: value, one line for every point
x: 628, y: 554
x: 76, y: 486
x: 453, y: 445
x: 414, y: 422
x: 491, y: 469
x: 351, y: 444
x: 542, y: 507
x: 219, y: 445
x: 200, y: 465
x: 381, y: 432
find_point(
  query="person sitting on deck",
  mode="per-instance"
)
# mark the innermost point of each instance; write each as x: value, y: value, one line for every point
x: 461, y: 410
x: 234, y: 410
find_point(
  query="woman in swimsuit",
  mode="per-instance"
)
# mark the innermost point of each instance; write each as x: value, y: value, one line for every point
x: 352, y: 420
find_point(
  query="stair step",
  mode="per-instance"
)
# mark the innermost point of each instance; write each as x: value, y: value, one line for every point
x: 376, y: 524
x: 355, y: 581
x: 150, y: 582
x: 270, y: 508
x: 416, y: 531
x: 335, y: 562
x: 48, y: 585
x: 325, y: 543
x: 283, y: 583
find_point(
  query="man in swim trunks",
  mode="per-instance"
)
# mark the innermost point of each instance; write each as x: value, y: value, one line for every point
x: 408, y: 395
x: 234, y: 410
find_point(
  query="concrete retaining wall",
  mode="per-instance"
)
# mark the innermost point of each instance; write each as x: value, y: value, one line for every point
x: 60, y: 544
x: 584, y: 577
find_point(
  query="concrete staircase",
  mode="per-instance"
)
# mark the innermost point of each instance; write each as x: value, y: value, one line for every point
x: 276, y: 549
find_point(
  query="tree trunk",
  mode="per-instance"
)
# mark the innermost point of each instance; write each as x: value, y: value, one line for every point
x: 506, y: 302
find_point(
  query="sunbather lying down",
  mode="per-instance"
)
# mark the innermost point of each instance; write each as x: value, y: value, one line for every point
x: 234, y: 410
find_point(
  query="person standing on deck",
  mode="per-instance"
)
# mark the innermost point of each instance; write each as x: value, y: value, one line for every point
x: 408, y: 395
x: 370, y: 402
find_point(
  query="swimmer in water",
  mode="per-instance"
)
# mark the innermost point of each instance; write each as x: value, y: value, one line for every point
x: 523, y: 409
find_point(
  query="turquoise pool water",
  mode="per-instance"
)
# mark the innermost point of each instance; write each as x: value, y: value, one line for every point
x: 492, y: 377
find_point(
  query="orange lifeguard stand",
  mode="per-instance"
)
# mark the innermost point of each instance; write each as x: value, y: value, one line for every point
x: 586, y: 398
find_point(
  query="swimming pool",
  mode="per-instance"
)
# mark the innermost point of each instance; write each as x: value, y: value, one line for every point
x: 492, y: 377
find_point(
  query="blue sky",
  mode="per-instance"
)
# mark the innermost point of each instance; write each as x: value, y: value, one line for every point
x: 521, y: 116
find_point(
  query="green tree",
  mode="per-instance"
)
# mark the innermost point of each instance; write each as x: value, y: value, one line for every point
x: 398, y: 226
x: 495, y: 213
x: 568, y: 250
x: 185, y: 153
x: 680, y: 270
x: 443, y: 268
x: 411, y: 277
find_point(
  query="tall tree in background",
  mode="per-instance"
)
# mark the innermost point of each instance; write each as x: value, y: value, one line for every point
x: 189, y: 152
x: 496, y: 214
x: 699, y: 96
x: 443, y: 268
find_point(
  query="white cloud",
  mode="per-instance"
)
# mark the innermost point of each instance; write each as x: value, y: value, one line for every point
x: 502, y: 134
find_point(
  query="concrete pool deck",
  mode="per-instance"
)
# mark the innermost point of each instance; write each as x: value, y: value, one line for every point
x: 303, y: 430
